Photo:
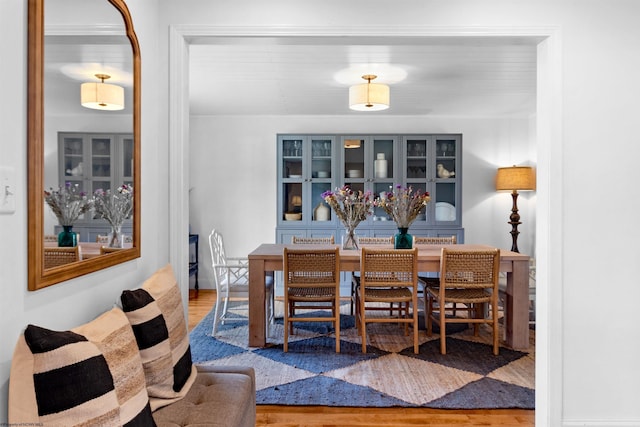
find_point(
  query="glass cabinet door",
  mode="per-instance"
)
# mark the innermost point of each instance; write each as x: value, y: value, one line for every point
x: 321, y: 179
x: 369, y: 165
x: 307, y: 170
x: 291, y: 170
x: 446, y: 201
x: 101, y: 162
x: 417, y: 158
x: 72, y: 161
x: 127, y: 160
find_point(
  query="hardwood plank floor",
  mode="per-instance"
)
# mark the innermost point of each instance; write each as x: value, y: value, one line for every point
x: 321, y: 416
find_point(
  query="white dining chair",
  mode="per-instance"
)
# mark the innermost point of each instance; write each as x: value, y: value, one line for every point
x: 231, y: 278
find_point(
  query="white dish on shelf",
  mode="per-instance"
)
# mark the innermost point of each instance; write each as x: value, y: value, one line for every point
x: 292, y: 216
x: 323, y: 174
x: 445, y: 211
x: 295, y: 176
x: 354, y: 173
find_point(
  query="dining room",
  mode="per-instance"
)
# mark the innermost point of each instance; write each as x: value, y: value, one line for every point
x: 220, y: 169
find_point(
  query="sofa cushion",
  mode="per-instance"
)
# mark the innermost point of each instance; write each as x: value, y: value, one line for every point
x: 91, y: 375
x: 156, y: 314
x: 221, y: 396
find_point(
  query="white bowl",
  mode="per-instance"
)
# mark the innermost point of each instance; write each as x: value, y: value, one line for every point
x: 323, y: 174
x: 292, y: 216
x: 354, y: 173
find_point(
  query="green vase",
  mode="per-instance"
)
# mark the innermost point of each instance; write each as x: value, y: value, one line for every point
x: 67, y: 238
x: 403, y: 240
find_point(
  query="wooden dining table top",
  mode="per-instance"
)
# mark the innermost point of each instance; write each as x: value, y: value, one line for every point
x: 428, y: 254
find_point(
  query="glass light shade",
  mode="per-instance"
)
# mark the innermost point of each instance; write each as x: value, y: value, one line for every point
x: 369, y: 97
x: 102, y: 96
x: 519, y: 178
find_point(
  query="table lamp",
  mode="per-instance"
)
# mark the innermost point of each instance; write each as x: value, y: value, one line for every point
x: 514, y: 179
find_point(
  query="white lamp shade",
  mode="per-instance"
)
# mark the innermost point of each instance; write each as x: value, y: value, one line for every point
x: 102, y: 96
x: 369, y: 97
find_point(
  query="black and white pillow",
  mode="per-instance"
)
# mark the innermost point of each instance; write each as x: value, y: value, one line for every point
x: 90, y: 375
x: 156, y: 314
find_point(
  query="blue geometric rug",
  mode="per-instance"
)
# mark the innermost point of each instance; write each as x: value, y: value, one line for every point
x: 469, y: 376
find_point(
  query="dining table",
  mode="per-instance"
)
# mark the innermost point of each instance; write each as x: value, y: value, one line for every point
x: 267, y: 258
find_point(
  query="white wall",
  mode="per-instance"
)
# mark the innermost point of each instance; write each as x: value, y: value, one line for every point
x: 233, y: 174
x: 74, y: 302
x: 591, y: 353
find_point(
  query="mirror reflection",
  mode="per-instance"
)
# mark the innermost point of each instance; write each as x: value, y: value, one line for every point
x: 85, y: 218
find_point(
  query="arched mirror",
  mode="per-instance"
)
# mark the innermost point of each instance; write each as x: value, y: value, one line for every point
x: 81, y: 147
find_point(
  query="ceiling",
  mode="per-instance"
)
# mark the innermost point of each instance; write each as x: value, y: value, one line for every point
x: 438, y: 76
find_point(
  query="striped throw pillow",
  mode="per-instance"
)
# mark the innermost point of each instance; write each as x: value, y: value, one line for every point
x: 90, y: 375
x: 156, y: 314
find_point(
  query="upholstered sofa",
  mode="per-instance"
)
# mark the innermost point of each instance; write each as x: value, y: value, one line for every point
x: 131, y: 366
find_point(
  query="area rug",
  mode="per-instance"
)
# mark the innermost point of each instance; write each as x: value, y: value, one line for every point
x: 469, y: 376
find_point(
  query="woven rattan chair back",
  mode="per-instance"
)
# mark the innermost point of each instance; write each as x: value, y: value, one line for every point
x: 439, y: 240
x: 104, y: 238
x: 431, y: 279
x: 51, y: 238
x: 296, y: 240
x: 366, y: 240
x: 468, y: 277
x: 54, y: 257
x: 355, y: 276
x: 388, y: 276
x: 311, y: 281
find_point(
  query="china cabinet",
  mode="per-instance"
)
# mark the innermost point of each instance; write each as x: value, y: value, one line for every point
x: 95, y: 161
x: 310, y: 164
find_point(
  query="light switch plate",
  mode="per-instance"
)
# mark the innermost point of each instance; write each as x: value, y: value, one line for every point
x: 7, y: 190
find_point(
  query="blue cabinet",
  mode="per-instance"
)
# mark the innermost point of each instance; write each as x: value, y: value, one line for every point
x: 309, y: 164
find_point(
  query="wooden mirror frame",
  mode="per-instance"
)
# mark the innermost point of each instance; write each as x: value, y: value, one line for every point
x: 38, y: 276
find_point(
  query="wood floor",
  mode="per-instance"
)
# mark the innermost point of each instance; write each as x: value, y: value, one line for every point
x: 321, y: 416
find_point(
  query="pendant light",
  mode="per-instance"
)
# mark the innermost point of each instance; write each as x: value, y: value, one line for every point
x: 369, y: 96
x: 102, y: 96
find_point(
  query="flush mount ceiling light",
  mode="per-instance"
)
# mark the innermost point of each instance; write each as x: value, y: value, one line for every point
x: 102, y: 96
x: 369, y: 96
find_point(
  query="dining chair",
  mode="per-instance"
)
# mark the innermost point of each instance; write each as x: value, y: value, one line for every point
x: 355, y: 276
x: 469, y: 277
x: 57, y: 256
x: 311, y: 282
x: 388, y: 276
x: 53, y: 238
x: 231, y: 278
x: 431, y: 279
x: 297, y: 240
